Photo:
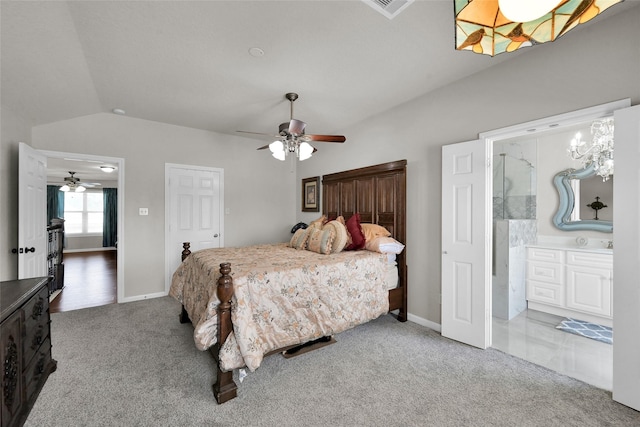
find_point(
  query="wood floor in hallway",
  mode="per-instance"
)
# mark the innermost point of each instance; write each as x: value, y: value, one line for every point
x: 90, y: 280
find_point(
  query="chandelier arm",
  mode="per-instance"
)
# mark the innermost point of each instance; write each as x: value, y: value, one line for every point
x: 576, y: 154
x: 599, y: 155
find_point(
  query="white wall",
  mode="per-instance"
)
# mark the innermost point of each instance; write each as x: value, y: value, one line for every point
x: 259, y: 193
x: 584, y: 68
x: 81, y: 243
x: 13, y: 130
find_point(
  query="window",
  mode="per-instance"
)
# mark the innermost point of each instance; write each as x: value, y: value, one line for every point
x: 83, y: 212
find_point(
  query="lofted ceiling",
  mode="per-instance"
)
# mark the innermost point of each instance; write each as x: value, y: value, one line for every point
x: 188, y: 63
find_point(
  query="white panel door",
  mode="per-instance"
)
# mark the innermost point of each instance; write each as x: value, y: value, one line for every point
x: 626, y: 259
x: 32, y: 213
x: 194, y: 211
x: 465, y: 244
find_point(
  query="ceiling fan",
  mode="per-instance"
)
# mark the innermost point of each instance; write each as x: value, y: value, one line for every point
x: 292, y: 139
x: 73, y: 183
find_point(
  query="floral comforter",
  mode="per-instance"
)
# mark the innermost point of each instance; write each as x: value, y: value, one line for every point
x: 282, y: 296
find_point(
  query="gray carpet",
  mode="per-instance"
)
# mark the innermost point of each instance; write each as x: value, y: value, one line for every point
x: 134, y: 364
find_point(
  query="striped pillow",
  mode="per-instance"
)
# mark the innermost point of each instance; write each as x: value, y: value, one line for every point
x: 321, y: 241
x: 299, y: 239
x: 340, y: 239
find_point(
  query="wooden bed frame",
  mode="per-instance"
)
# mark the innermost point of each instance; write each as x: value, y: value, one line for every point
x: 378, y: 194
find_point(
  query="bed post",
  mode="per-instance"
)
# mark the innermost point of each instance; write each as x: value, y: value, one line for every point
x: 184, y: 316
x: 225, y: 388
x: 185, y: 250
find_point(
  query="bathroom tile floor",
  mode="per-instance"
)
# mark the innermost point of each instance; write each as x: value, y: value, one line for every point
x: 532, y: 336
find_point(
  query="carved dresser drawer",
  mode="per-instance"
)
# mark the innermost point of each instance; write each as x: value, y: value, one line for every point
x: 25, y: 346
x: 36, y: 323
x: 36, y: 369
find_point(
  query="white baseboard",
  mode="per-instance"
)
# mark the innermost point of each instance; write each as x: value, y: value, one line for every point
x: 141, y: 297
x: 424, y: 322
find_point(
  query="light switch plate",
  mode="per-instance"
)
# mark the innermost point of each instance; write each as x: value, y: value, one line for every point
x: 144, y: 211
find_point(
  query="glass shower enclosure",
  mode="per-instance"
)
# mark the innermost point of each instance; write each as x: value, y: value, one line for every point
x: 514, y: 223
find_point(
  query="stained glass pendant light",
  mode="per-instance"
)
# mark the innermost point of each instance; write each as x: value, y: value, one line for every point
x: 482, y: 27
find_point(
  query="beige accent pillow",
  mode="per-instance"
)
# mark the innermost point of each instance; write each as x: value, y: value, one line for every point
x: 320, y: 241
x: 318, y: 223
x: 341, y: 236
x: 299, y: 239
x: 371, y: 231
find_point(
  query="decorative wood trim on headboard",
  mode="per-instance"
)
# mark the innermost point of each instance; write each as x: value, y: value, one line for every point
x: 379, y: 194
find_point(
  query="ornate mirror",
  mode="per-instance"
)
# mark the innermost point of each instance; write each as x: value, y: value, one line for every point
x: 565, y: 218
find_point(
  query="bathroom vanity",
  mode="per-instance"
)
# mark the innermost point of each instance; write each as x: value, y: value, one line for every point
x: 571, y: 282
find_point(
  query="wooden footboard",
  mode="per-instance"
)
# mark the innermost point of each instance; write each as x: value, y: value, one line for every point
x: 224, y: 388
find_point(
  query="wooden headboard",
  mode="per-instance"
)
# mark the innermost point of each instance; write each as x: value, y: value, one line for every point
x: 379, y: 194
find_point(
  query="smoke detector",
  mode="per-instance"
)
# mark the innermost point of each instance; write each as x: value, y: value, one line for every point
x: 389, y: 8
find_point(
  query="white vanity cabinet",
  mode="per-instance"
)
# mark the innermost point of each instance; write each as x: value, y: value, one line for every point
x: 589, y: 279
x: 545, y: 276
x: 574, y: 283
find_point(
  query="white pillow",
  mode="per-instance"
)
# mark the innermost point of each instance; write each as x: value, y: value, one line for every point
x: 384, y: 245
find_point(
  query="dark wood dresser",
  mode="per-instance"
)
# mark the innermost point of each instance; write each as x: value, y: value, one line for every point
x: 25, y: 346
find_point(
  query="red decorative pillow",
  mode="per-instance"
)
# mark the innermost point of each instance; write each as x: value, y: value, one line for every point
x: 355, y: 231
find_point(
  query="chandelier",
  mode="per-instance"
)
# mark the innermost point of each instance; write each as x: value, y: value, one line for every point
x: 600, y: 154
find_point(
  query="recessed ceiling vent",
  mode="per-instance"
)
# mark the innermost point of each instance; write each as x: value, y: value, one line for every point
x: 389, y: 8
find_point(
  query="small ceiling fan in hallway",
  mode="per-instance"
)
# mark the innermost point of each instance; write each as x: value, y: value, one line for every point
x: 71, y: 183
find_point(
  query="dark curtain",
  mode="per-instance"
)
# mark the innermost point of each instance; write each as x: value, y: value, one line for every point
x: 55, y: 203
x: 110, y: 223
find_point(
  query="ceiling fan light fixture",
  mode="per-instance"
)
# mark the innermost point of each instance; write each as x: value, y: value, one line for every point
x: 80, y: 189
x: 305, y: 150
x: 277, y: 150
x: 276, y: 146
x: 65, y: 188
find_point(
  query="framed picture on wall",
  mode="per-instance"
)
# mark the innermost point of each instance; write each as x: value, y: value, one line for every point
x: 311, y: 194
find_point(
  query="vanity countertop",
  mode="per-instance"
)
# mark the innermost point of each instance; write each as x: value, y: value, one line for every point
x: 592, y: 249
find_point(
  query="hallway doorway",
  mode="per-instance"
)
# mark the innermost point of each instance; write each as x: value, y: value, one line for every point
x: 82, y: 163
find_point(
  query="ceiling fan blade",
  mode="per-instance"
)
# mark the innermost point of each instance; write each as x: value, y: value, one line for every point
x: 325, y: 138
x: 296, y: 127
x: 260, y: 133
x: 263, y: 147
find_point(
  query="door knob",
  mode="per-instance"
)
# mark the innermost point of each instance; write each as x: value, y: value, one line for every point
x: 27, y: 250
x: 215, y: 235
